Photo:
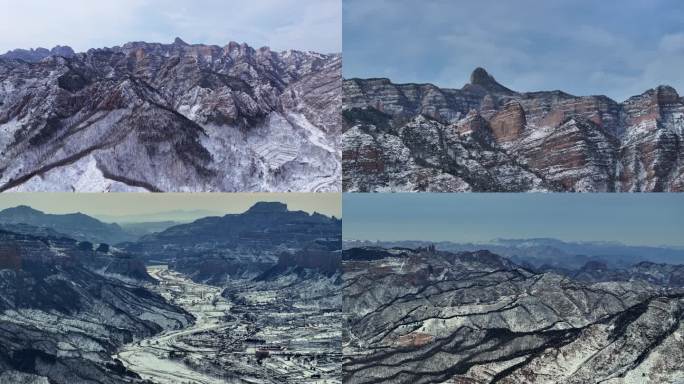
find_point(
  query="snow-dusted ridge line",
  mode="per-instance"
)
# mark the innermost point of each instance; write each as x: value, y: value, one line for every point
x: 171, y: 117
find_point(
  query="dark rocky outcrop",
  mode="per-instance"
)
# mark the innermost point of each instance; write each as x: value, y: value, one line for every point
x: 322, y: 257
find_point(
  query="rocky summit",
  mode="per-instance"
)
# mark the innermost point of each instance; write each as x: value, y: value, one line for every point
x: 486, y: 137
x: 428, y: 316
x: 170, y: 117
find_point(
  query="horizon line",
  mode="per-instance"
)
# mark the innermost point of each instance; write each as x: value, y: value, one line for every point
x: 492, y: 241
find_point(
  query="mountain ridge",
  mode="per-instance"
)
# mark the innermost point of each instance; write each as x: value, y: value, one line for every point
x: 435, y: 316
x: 171, y: 117
x: 486, y: 137
x: 539, y: 251
x: 65, y: 309
x: 37, y: 54
x: 241, y: 245
x: 76, y: 225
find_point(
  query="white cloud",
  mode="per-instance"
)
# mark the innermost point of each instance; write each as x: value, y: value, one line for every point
x: 282, y: 24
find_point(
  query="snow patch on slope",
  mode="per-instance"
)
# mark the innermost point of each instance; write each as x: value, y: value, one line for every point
x: 81, y: 176
x: 7, y: 131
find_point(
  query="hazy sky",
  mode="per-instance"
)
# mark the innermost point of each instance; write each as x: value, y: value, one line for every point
x: 122, y: 204
x: 636, y: 219
x: 617, y: 48
x: 82, y: 24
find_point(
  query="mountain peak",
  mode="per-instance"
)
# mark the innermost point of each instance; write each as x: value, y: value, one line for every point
x: 179, y: 41
x: 666, y: 94
x: 22, y: 209
x: 268, y: 207
x: 62, y: 50
x: 481, y: 77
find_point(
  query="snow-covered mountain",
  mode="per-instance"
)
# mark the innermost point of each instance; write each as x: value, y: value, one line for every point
x: 427, y: 316
x: 170, y: 117
x: 486, y: 137
x: 250, y: 297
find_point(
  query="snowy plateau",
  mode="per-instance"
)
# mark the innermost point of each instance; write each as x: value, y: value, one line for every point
x: 170, y: 117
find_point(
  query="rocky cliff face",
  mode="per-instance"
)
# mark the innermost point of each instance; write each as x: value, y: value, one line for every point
x: 22, y: 245
x: 486, y: 137
x: 60, y: 321
x: 215, y: 249
x: 171, y: 117
x: 320, y: 257
x: 425, y: 316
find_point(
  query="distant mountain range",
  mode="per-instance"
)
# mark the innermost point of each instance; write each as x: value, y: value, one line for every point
x: 486, y: 137
x: 170, y: 117
x: 545, y: 252
x: 178, y: 215
x: 426, y: 316
x: 75, y: 225
x: 38, y: 54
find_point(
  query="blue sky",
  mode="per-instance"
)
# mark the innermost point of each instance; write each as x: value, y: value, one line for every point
x: 82, y: 24
x: 635, y: 219
x: 617, y: 48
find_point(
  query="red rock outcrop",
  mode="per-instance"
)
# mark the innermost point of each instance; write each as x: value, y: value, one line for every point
x: 509, y: 123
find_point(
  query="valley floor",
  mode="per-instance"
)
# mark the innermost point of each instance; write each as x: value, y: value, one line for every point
x: 248, y: 338
x: 156, y: 358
